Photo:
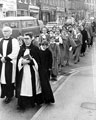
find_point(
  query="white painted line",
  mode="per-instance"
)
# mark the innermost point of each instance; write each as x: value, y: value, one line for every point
x: 68, y: 78
x: 35, y: 117
x: 60, y: 77
x: 94, y: 69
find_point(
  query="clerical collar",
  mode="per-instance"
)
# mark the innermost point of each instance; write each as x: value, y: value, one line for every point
x: 7, y: 38
x: 27, y: 47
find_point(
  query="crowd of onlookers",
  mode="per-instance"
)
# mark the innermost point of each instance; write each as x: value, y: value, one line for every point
x: 27, y: 66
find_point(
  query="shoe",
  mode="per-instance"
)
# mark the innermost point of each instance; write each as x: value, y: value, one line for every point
x: 20, y: 108
x: 7, y: 100
x: 32, y: 105
x: 54, y: 79
x: 67, y: 64
x: 75, y: 62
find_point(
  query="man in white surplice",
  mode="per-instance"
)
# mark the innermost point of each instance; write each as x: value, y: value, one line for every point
x: 28, y: 89
x: 9, y: 49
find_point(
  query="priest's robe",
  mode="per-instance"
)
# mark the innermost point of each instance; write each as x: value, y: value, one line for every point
x: 9, y: 49
x: 27, y: 78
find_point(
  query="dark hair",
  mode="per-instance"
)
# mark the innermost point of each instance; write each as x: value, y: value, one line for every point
x: 44, y: 42
x: 30, y: 34
x: 52, y: 37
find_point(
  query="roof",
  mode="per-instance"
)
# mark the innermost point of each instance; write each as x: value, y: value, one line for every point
x: 17, y: 18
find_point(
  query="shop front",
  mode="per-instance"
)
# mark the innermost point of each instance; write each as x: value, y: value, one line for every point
x: 45, y: 13
x: 60, y: 14
x: 48, y: 13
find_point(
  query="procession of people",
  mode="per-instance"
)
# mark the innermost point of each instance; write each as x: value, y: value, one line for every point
x: 28, y: 64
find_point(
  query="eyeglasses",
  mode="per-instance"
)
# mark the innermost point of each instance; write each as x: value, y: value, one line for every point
x: 26, y: 38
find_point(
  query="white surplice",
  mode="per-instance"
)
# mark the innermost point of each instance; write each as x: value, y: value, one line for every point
x: 13, y: 56
x: 26, y: 85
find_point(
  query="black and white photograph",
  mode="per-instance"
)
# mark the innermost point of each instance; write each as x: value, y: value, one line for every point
x: 47, y: 60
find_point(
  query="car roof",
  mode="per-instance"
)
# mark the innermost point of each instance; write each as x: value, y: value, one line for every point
x: 17, y: 18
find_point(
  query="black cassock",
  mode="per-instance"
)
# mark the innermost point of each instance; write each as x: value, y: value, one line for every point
x: 46, y: 64
x: 84, y: 40
x: 34, y: 95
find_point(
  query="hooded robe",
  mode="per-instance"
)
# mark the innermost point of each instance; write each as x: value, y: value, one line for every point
x: 27, y: 80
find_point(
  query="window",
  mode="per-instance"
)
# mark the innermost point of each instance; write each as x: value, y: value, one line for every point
x: 23, y: 24
x: 12, y: 24
x: 29, y: 23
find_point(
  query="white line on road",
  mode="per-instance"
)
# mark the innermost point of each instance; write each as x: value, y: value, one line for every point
x: 94, y: 68
x: 35, y: 117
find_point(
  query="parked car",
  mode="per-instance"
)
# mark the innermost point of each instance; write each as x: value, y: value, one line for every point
x: 21, y: 25
x: 49, y: 25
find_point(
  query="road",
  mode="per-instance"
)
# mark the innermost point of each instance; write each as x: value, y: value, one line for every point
x: 71, y: 96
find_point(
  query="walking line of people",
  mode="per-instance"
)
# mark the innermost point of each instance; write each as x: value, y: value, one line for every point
x: 27, y: 64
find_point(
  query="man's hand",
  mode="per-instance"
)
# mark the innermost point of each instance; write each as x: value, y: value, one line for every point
x: 3, y: 60
x: 24, y: 61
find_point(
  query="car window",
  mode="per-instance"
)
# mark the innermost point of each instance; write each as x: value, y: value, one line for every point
x: 29, y: 23
x: 12, y: 24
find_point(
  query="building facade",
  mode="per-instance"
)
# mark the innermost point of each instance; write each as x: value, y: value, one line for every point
x: 46, y: 10
x: 51, y: 10
x: 27, y: 8
x: 90, y: 8
x: 8, y: 8
x: 76, y: 8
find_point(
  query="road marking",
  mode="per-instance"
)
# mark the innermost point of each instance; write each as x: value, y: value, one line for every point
x: 35, y: 117
x: 94, y: 69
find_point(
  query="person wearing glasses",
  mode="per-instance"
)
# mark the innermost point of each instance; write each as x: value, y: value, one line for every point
x: 9, y: 49
x: 28, y: 89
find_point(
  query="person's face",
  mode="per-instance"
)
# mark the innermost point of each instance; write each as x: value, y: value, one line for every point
x: 54, y: 29
x: 6, y: 33
x: 51, y: 33
x: 20, y: 42
x: 44, y: 30
x: 44, y: 46
x: 27, y: 40
x: 52, y: 41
